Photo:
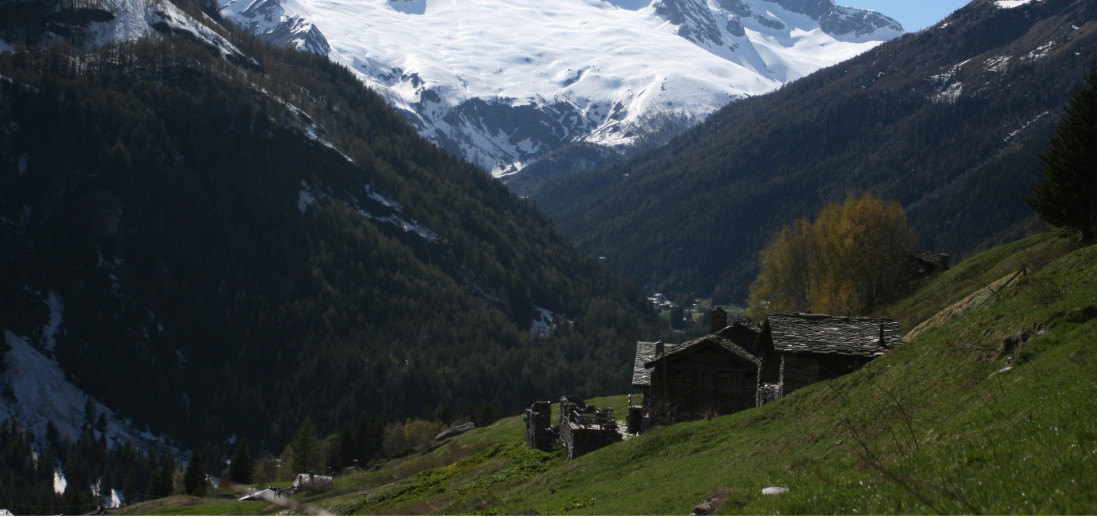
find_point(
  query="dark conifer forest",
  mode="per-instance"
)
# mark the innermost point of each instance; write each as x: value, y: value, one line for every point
x: 241, y: 244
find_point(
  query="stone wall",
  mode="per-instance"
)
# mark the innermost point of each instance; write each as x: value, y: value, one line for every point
x: 585, y: 428
x: 540, y: 434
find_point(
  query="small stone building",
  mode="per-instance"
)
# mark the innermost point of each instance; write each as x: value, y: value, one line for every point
x: 712, y: 375
x: 800, y: 349
x: 582, y: 428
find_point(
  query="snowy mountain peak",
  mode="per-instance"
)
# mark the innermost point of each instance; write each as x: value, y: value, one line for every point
x: 99, y: 22
x: 278, y: 22
x: 504, y: 82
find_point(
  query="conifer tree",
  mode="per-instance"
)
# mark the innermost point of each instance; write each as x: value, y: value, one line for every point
x: 129, y: 488
x: 1065, y: 195
x: 162, y: 482
x: 194, y: 478
x: 240, y: 471
x: 303, y: 447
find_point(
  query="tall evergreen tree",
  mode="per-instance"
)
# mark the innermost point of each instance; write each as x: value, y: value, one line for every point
x: 162, y: 483
x: 304, y: 447
x: 194, y: 478
x: 129, y: 488
x: 240, y: 471
x: 1065, y: 195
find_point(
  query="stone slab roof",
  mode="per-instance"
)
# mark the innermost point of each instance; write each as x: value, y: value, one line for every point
x: 645, y: 353
x: 821, y: 334
x: 721, y: 341
x: 643, y: 364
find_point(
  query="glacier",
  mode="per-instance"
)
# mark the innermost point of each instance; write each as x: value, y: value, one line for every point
x: 503, y: 83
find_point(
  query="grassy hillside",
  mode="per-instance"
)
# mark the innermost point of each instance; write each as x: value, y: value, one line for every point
x: 990, y: 410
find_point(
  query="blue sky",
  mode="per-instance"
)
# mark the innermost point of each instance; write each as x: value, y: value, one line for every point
x: 915, y: 15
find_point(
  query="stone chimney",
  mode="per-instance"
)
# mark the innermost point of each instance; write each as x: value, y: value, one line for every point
x: 719, y: 320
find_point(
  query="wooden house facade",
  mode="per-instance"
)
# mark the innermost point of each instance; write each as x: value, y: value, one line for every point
x: 796, y: 350
x: 711, y: 375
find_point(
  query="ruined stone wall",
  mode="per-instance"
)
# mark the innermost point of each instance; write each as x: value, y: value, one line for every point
x: 539, y: 431
x: 585, y: 428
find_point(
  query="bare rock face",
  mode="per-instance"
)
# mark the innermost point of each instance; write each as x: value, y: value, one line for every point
x: 455, y: 430
x: 270, y: 20
x: 694, y: 19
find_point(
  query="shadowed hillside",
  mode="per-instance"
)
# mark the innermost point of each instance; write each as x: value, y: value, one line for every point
x: 948, y: 121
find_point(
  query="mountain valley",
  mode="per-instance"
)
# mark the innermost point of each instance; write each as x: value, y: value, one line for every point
x: 227, y: 222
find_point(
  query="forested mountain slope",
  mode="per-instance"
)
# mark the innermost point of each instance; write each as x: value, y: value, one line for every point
x: 218, y: 245
x: 948, y: 121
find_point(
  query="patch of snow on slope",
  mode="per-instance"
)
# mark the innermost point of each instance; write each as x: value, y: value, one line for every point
x: 950, y: 94
x: 136, y: 19
x: 59, y: 482
x: 49, y: 330
x: 304, y: 200
x: 1041, y: 52
x: 380, y: 198
x: 396, y: 218
x: 943, y: 91
x: 997, y: 64
x: 379, y: 204
x: 37, y: 392
x: 542, y: 322
x: 1010, y: 4
x: 1013, y: 134
x: 305, y: 124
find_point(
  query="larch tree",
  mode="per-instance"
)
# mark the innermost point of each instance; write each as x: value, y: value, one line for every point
x: 850, y: 256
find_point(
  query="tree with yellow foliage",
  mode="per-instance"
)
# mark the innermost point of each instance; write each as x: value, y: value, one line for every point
x: 843, y: 262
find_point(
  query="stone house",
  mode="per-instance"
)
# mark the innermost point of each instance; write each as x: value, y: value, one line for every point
x: 796, y: 350
x: 712, y: 375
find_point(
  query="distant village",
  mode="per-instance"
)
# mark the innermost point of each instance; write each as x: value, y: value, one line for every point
x: 738, y: 365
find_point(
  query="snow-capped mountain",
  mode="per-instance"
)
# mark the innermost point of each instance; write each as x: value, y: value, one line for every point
x: 278, y: 23
x: 503, y: 82
x: 98, y: 22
